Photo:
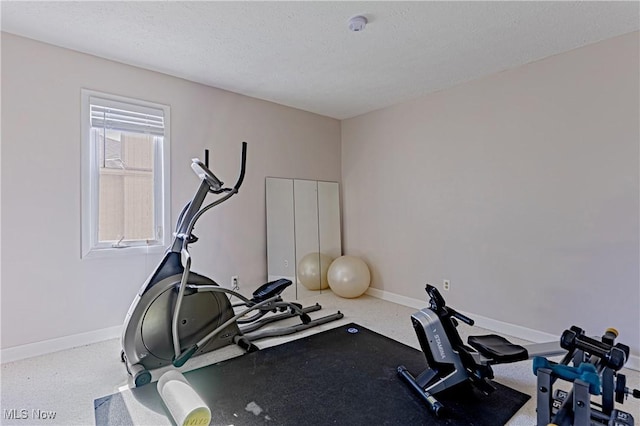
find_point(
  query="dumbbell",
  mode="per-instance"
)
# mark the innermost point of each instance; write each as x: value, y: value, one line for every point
x: 614, y: 356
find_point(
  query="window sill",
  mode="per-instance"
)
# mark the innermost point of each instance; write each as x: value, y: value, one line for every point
x: 125, y: 251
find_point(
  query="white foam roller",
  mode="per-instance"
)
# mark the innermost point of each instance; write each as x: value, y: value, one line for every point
x: 184, y: 404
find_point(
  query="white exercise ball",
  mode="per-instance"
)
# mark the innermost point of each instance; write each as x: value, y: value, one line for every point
x: 349, y: 276
x: 312, y: 271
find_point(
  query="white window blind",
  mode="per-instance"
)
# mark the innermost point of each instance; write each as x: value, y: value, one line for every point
x: 114, y: 115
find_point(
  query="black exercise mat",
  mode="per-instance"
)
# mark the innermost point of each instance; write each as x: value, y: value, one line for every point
x: 343, y: 376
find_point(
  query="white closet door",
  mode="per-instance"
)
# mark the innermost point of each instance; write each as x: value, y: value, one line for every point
x: 281, y: 257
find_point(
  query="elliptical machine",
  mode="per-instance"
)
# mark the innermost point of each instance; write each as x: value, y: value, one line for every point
x: 178, y: 313
x: 450, y: 362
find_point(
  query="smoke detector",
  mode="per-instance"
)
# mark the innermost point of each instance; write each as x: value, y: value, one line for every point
x: 357, y: 23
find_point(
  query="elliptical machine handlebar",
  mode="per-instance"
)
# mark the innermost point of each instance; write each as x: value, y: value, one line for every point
x: 437, y: 303
x: 242, y: 167
x: 215, y: 184
x: 193, y: 209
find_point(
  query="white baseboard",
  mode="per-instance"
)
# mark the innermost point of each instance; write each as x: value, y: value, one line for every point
x: 17, y: 353
x: 396, y: 298
x: 500, y: 327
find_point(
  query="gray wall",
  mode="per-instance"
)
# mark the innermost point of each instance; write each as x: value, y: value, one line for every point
x: 47, y: 290
x: 521, y: 188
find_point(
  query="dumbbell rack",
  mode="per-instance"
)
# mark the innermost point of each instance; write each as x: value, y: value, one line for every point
x: 584, y: 411
x: 575, y: 407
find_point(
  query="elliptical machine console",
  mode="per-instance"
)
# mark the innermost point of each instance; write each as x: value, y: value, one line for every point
x: 178, y: 313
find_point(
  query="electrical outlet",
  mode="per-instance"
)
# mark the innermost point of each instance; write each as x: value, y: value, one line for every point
x: 235, y: 284
x: 446, y: 285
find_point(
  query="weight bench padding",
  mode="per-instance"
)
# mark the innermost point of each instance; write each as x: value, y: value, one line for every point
x: 498, y: 348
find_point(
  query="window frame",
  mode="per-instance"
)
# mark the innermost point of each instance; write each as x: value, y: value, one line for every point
x: 90, y: 246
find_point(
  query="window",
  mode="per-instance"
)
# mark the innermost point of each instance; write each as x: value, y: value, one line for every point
x: 125, y: 174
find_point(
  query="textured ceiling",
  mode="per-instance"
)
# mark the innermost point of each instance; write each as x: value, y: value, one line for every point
x: 302, y: 54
